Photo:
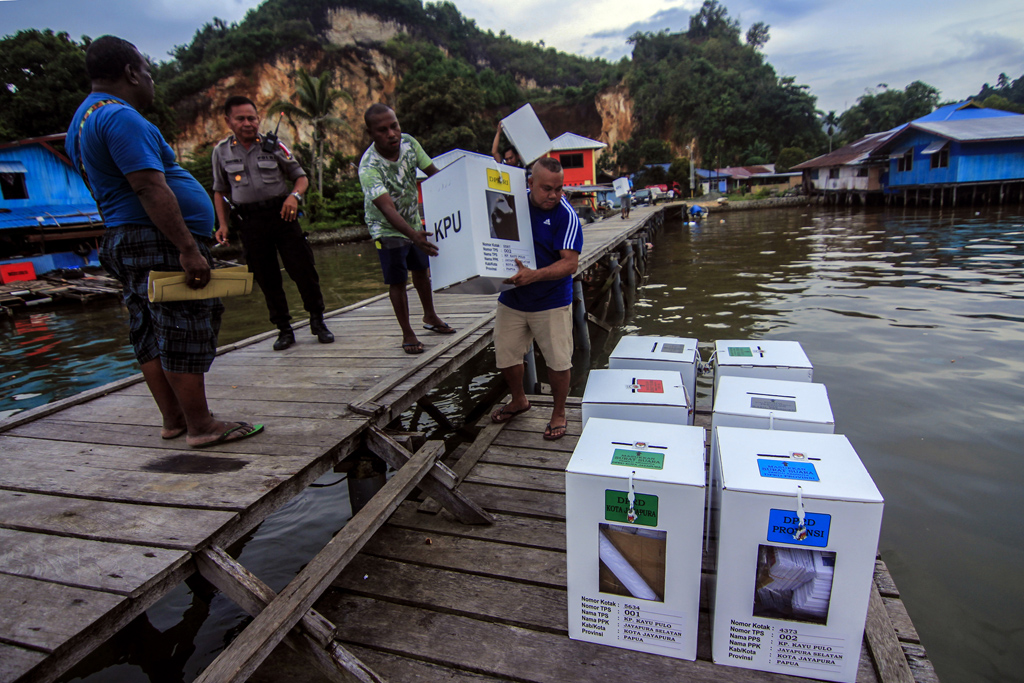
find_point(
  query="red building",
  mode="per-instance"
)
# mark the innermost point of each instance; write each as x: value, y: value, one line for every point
x: 578, y: 156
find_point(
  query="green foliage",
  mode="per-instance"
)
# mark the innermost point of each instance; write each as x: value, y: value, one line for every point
x: 707, y: 84
x: 200, y: 165
x: 42, y: 82
x: 877, y: 112
x: 679, y: 172
x: 1011, y: 91
x: 790, y: 157
x: 317, y: 100
x: 758, y: 153
x: 1000, y: 102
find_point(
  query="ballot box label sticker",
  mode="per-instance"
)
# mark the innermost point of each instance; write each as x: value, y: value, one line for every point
x: 740, y: 352
x: 784, y: 527
x: 497, y: 180
x: 771, y: 403
x: 673, y: 348
x: 642, y: 510
x: 633, y: 458
x: 647, y: 386
x: 783, y: 469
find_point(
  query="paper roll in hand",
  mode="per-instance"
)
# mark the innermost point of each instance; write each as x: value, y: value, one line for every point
x: 171, y: 286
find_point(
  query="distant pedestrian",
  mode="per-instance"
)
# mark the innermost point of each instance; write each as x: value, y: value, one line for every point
x: 156, y: 217
x: 387, y: 173
x: 625, y: 202
x: 254, y: 173
x: 510, y: 157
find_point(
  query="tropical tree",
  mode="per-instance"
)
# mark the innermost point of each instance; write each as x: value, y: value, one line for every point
x: 317, y: 101
x: 830, y: 122
x: 877, y: 112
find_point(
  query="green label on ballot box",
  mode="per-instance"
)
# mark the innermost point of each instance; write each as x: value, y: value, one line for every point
x: 740, y: 352
x: 644, y: 509
x: 648, y: 461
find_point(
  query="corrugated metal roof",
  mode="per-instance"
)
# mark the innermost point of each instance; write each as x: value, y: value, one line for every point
x: 856, y: 152
x: 571, y: 141
x: 968, y: 109
x: 12, y: 166
x: 51, y: 215
x: 977, y: 130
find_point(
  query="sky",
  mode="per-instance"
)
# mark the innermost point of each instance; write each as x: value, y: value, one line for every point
x: 840, y: 49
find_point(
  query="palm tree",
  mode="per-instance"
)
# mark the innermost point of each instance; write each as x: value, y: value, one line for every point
x: 316, y: 105
x: 830, y: 121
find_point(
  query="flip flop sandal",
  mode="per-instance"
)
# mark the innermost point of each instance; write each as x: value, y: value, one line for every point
x: 245, y: 428
x: 504, y: 415
x: 413, y: 349
x: 444, y: 328
x: 175, y: 435
x: 549, y: 432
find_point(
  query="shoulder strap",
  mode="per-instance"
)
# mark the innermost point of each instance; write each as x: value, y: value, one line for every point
x: 81, y: 155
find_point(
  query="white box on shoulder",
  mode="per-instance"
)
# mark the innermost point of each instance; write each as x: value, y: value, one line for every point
x: 641, y: 395
x: 527, y: 134
x: 762, y: 358
x: 477, y: 211
x: 797, y: 535
x: 677, y: 354
x: 634, y: 561
x: 620, y: 186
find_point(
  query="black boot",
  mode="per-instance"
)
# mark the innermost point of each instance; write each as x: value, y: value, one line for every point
x: 285, y: 338
x: 319, y: 328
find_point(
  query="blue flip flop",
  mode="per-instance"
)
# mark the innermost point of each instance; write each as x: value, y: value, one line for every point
x: 245, y: 428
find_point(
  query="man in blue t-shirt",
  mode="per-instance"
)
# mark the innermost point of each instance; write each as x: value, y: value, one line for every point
x: 154, y: 214
x: 540, y: 306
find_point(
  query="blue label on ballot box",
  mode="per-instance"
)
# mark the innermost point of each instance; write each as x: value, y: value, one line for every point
x: 783, y: 527
x: 785, y: 469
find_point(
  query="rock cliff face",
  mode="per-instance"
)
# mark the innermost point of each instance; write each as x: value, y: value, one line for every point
x: 369, y: 75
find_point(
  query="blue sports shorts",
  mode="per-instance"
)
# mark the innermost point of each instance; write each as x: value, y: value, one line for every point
x: 397, y: 257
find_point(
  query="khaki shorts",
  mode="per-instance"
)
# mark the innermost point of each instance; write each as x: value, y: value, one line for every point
x: 515, y: 330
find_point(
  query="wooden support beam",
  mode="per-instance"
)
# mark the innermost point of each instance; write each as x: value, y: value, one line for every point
x: 464, y: 464
x: 314, y: 636
x: 241, y: 658
x: 433, y: 411
x: 440, y: 484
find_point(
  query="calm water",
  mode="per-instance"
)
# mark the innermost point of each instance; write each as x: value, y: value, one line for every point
x: 914, y: 320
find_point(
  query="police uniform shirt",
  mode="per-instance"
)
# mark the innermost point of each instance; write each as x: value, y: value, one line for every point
x: 252, y: 175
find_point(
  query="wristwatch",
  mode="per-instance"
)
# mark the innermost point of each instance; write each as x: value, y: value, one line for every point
x: 297, y: 196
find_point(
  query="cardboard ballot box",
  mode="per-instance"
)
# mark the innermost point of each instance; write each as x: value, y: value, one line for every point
x: 620, y: 186
x: 634, y: 495
x: 477, y: 211
x: 676, y: 354
x: 641, y: 395
x: 762, y: 358
x: 754, y: 403
x: 791, y: 596
x: 526, y: 133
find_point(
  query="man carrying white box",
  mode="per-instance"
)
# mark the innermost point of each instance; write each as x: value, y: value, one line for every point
x: 387, y: 173
x: 540, y: 305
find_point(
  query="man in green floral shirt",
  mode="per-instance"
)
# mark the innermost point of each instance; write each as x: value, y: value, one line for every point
x: 387, y: 173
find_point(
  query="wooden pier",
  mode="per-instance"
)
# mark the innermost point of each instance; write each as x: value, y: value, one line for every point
x: 99, y: 518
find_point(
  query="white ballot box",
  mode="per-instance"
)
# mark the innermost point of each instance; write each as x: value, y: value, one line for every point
x: 762, y: 358
x: 676, y: 354
x: 634, y: 494
x: 527, y: 134
x: 620, y: 186
x: 797, y: 532
x: 641, y: 395
x: 478, y: 214
x: 754, y: 403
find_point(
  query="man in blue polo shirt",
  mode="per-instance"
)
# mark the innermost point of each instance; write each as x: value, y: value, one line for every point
x: 156, y: 217
x: 540, y: 306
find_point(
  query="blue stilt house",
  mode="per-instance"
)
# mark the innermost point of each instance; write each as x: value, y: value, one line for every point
x: 45, y: 206
x: 937, y: 160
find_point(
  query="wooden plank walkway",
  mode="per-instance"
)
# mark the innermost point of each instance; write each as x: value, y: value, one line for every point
x: 99, y: 517
x: 430, y: 599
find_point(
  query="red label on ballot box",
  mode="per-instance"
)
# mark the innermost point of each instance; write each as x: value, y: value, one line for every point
x: 650, y: 386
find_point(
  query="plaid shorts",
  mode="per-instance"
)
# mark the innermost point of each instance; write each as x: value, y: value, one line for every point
x: 182, y: 334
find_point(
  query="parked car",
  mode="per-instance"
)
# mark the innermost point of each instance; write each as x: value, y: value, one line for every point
x: 642, y: 197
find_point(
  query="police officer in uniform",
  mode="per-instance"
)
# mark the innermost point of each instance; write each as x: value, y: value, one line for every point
x: 256, y: 181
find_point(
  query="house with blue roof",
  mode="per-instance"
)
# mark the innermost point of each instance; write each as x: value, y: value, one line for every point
x: 861, y: 169
x: 43, y: 200
x: 935, y: 160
